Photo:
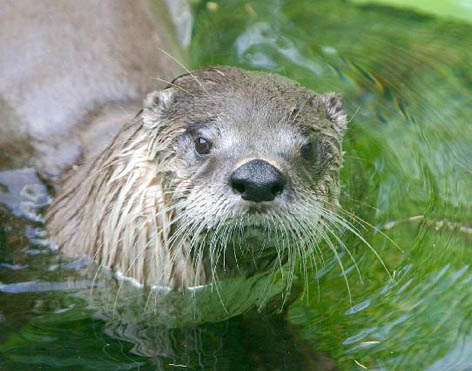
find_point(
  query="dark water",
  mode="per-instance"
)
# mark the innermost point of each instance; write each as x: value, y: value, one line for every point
x: 406, y: 79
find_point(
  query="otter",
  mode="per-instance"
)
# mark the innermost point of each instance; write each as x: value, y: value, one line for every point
x: 225, y: 171
x: 221, y: 172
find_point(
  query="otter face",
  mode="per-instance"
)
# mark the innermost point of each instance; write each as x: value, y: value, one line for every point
x: 248, y: 151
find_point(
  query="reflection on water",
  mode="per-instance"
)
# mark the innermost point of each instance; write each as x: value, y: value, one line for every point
x: 406, y: 80
x: 23, y: 193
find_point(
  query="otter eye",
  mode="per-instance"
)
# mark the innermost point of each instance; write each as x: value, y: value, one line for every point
x: 308, y: 151
x: 202, y: 146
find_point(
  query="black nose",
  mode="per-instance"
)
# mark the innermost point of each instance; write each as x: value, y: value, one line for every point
x: 258, y: 181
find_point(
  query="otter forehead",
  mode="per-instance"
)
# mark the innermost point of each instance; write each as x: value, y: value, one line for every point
x: 244, y: 96
x: 249, y: 111
x: 264, y: 96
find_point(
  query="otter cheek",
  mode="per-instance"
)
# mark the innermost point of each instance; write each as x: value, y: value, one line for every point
x: 209, y: 171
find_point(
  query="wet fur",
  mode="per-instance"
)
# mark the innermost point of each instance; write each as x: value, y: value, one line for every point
x: 72, y: 68
x: 143, y: 207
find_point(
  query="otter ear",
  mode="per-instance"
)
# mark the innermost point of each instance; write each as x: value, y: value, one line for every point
x: 156, y: 106
x: 335, y: 111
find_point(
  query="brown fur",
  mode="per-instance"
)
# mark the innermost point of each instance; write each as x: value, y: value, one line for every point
x: 64, y: 63
x: 146, y: 205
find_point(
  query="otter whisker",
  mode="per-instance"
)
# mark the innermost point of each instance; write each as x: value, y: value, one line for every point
x: 175, y: 86
x: 343, y: 245
x: 307, y: 238
x: 293, y: 257
x: 341, y: 221
x: 279, y: 250
x: 333, y: 217
x: 183, y: 228
x: 215, y: 277
x: 302, y: 248
x: 239, y: 244
x: 328, y: 216
x: 354, y: 114
x: 220, y: 243
x: 287, y: 248
x: 215, y: 237
x: 367, y: 224
x: 227, y: 234
x: 339, y: 262
x: 185, y: 68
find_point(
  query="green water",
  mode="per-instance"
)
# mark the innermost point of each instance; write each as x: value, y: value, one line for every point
x: 406, y: 78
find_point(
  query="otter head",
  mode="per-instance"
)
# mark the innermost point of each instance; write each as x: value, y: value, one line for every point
x: 225, y: 171
x: 252, y: 160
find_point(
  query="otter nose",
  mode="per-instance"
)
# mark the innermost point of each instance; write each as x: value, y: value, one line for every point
x: 257, y: 181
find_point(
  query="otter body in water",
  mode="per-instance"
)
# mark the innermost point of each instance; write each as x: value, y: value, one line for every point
x: 72, y: 72
x: 223, y: 172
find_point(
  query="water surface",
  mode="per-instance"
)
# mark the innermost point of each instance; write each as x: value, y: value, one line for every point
x: 406, y: 78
